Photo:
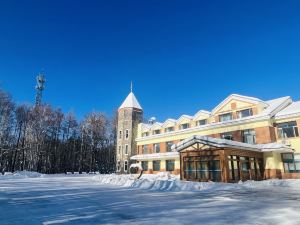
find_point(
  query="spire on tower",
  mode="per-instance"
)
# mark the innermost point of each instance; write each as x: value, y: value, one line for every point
x: 131, y: 86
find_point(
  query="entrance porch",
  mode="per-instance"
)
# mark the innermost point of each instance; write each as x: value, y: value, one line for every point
x: 211, y: 159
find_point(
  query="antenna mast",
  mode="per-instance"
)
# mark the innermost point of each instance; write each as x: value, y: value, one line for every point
x: 40, y: 86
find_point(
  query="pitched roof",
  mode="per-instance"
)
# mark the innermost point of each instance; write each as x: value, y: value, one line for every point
x: 276, y: 105
x: 292, y: 109
x: 238, y: 97
x: 130, y: 102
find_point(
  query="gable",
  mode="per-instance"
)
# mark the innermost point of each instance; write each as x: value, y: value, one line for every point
x: 184, y: 119
x: 169, y: 123
x: 201, y: 116
x: 234, y: 105
x: 236, y: 102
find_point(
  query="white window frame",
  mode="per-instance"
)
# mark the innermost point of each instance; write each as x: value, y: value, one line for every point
x: 199, y: 121
x: 239, y: 113
x: 169, y: 129
x: 127, y: 134
x: 223, y: 115
x: 120, y: 134
x: 184, y: 124
x: 126, y: 149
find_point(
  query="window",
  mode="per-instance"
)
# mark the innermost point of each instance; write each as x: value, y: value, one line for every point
x: 169, y: 145
x: 170, y: 165
x: 184, y: 126
x: 291, y: 162
x: 145, y: 134
x: 127, y: 134
x: 126, y: 149
x: 169, y: 129
x: 156, y: 148
x: 227, y: 136
x: 145, y: 149
x: 118, y: 166
x: 244, y: 113
x: 201, y: 122
x: 156, y: 132
x: 288, y: 130
x: 125, y: 165
x: 156, y: 165
x: 249, y: 136
x: 120, y: 148
x: 120, y: 134
x: 225, y: 117
x: 145, y: 165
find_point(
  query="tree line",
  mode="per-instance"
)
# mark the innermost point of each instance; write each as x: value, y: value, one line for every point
x: 44, y: 139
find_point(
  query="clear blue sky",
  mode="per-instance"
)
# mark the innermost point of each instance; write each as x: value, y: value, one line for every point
x: 181, y: 55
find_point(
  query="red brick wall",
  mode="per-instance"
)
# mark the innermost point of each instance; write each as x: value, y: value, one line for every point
x: 237, y: 135
x: 265, y: 135
x: 291, y: 176
x: 273, y: 174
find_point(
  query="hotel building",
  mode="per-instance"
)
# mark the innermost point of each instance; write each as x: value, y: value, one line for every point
x: 242, y: 138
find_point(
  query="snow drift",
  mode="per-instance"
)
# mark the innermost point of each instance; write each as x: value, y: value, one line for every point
x: 165, y: 182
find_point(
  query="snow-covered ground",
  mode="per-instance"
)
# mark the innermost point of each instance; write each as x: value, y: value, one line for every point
x: 32, y: 198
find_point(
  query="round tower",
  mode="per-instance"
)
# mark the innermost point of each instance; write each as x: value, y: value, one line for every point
x: 130, y: 114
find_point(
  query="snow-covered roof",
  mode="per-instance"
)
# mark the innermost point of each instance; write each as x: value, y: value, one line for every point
x: 223, y: 143
x: 184, y: 117
x: 172, y: 121
x: 238, y: 97
x: 275, y: 105
x: 164, y: 155
x: 292, y: 110
x: 201, y: 112
x: 272, y: 107
x: 131, y: 102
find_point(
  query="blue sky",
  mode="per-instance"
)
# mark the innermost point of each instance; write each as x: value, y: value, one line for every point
x: 181, y: 55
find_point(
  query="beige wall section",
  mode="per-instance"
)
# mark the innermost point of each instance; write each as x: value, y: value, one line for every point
x: 163, y: 165
x: 150, y: 165
x: 273, y: 161
x: 177, y: 164
x: 188, y: 133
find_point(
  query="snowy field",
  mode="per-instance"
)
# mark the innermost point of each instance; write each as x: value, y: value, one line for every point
x: 32, y: 198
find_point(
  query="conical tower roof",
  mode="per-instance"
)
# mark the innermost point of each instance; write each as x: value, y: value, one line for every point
x: 131, y: 102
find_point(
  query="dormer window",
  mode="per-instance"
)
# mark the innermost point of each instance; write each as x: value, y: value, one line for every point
x: 156, y: 132
x: 244, y: 113
x: 201, y: 122
x: 225, y: 117
x: 145, y: 134
x: 169, y: 129
x: 184, y: 126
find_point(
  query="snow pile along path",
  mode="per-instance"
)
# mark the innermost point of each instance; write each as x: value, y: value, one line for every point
x: 21, y: 175
x: 162, y: 181
x: 165, y: 182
